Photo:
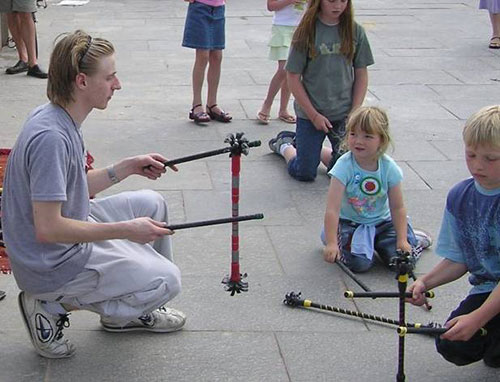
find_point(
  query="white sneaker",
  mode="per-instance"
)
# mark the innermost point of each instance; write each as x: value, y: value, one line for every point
x: 45, y: 329
x: 161, y: 320
x: 424, y: 239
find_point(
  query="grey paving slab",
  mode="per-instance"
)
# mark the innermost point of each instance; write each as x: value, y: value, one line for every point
x: 442, y: 176
x: 428, y: 129
x: 321, y: 356
x: 433, y: 69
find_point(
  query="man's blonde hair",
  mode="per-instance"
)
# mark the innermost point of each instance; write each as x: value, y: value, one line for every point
x: 483, y: 128
x: 371, y: 120
x: 75, y: 53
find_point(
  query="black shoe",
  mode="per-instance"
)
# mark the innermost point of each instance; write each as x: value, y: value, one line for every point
x: 2, y: 295
x: 35, y: 71
x: 282, y: 138
x: 20, y: 67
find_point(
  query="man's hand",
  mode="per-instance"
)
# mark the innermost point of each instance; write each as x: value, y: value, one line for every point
x: 150, y: 165
x: 145, y: 230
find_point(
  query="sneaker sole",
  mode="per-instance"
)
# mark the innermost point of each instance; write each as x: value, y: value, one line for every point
x: 113, y: 329
x: 22, y: 308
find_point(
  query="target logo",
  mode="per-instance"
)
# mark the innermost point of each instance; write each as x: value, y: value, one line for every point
x: 370, y: 186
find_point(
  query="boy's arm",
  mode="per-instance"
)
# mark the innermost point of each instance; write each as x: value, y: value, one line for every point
x: 335, y: 193
x: 359, y: 87
x: 462, y: 328
x: 398, y: 215
x: 444, y: 272
x: 319, y: 121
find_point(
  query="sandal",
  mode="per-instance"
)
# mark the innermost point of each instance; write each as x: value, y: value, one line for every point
x: 200, y: 117
x: 494, y: 42
x: 287, y: 118
x: 221, y: 117
x: 263, y: 118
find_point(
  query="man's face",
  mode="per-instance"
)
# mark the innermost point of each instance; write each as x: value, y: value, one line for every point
x: 102, y: 84
x: 483, y: 163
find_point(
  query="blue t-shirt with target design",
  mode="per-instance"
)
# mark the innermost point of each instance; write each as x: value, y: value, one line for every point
x: 365, y: 199
x: 470, y: 233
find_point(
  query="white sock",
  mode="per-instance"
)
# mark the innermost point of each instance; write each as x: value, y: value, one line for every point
x: 53, y: 308
x: 283, y: 147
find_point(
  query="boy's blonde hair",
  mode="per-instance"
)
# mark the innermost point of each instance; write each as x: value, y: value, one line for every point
x: 75, y: 53
x: 483, y: 128
x: 371, y: 120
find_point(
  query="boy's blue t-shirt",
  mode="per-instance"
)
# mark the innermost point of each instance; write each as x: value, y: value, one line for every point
x: 470, y: 233
x: 366, y: 199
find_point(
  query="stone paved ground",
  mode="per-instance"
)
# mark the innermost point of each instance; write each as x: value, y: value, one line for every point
x: 433, y: 69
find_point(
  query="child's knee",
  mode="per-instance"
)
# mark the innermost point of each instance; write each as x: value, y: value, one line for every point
x: 458, y: 352
x: 215, y: 57
x: 359, y: 264
x: 303, y: 175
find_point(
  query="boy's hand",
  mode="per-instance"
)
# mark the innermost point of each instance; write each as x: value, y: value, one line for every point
x: 331, y: 253
x: 417, y: 289
x: 461, y: 328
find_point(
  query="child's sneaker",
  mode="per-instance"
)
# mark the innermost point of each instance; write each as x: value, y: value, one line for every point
x: 45, y: 329
x: 282, y: 138
x: 423, y: 238
x: 161, y: 320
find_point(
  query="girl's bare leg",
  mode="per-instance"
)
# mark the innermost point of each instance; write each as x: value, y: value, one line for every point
x: 200, y: 65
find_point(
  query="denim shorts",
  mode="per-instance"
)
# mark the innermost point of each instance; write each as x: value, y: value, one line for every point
x: 26, y: 6
x: 204, y: 28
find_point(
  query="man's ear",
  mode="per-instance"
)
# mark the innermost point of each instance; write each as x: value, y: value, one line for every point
x: 81, y: 80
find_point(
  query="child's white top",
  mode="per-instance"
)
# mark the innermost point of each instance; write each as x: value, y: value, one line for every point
x: 290, y: 15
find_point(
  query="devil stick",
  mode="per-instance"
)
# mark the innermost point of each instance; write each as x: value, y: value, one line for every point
x: 293, y: 299
x: 175, y: 227
x: 349, y: 273
x: 206, y: 154
x: 402, y: 331
x: 351, y: 294
x: 239, y: 145
x: 402, y: 265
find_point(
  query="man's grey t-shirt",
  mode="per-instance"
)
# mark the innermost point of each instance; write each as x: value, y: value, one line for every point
x: 47, y: 164
x: 328, y: 78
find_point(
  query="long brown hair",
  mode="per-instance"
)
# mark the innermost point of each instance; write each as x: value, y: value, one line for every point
x: 75, y: 53
x: 305, y: 34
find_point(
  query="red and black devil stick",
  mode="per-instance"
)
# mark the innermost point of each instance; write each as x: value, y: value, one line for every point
x: 175, y: 227
x: 237, y: 145
x: 293, y: 299
x: 351, y: 294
